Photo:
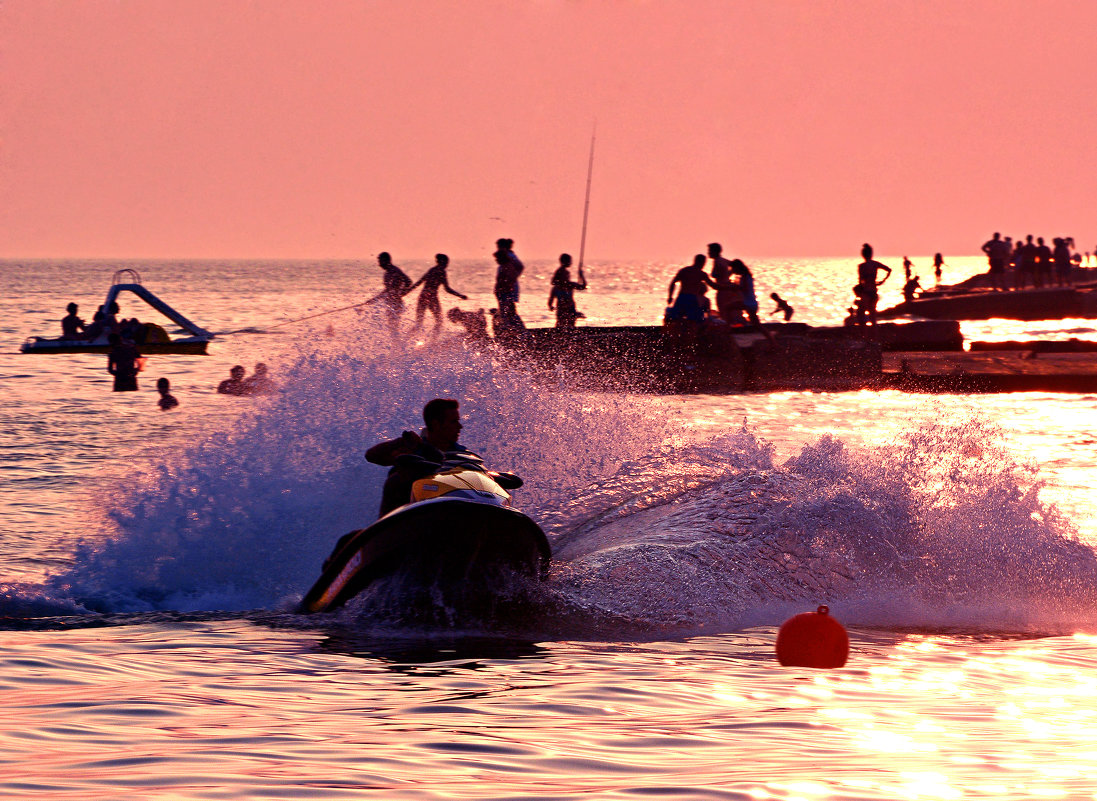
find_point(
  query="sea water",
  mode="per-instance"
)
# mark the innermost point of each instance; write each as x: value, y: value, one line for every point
x: 151, y: 562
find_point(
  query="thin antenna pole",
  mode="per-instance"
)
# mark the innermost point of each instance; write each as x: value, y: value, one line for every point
x: 586, y: 204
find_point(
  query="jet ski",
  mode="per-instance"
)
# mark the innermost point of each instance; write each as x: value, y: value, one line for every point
x: 458, y: 529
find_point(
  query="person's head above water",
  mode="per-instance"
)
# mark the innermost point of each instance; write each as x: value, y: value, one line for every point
x: 260, y: 368
x: 238, y: 371
x: 866, y: 251
x: 384, y: 259
x: 715, y: 249
x: 443, y: 419
x: 71, y: 308
x: 162, y: 385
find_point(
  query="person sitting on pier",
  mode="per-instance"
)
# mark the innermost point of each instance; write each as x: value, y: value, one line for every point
x: 72, y: 327
x: 562, y: 295
x: 782, y: 306
x: 869, y: 294
x: 691, y: 280
x: 432, y: 280
x: 475, y: 324
x: 910, y: 287
x: 234, y: 385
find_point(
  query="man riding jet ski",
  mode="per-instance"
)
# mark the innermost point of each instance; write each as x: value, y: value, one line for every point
x: 444, y: 518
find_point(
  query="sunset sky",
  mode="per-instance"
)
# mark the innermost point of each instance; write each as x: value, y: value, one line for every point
x: 295, y: 128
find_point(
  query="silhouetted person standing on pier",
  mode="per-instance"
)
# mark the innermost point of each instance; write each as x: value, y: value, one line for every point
x: 869, y: 294
x: 562, y: 295
x: 396, y: 284
x: 509, y: 268
x: 1062, y: 258
x: 1026, y: 268
x: 432, y: 280
x: 750, y: 300
x: 997, y: 255
x: 691, y: 289
x: 729, y: 296
x: 1043, y: 263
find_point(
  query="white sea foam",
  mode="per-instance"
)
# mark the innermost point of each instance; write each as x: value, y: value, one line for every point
x: 939, y: 528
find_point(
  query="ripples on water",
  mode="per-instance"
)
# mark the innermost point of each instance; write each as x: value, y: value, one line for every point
x: 686, y: 528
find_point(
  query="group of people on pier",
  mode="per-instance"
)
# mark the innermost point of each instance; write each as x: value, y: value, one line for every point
x: 505, y: 317
x: 1034, y: 263
x: 733, y: 283
x: 731, y: 279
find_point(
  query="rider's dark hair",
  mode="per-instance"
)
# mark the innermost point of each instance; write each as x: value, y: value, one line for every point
x: 436, y: 409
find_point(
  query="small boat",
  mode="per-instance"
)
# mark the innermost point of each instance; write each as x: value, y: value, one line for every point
x: 153, y: 339
x: 458, y: 531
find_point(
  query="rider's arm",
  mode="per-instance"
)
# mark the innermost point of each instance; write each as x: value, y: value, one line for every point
x: 385, y: 453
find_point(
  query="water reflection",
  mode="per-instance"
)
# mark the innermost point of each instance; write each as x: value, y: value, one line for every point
x: 444, y: 653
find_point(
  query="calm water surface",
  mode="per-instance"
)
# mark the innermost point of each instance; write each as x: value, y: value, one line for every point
x: 150, y: 561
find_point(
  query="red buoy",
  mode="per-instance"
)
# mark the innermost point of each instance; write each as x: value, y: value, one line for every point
x: 813, y: 639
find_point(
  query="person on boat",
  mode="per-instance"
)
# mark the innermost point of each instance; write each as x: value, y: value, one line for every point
x: 782, y: 306
x: 167, y: 400
x: 72, y: 327
x: 508, y: 269
x: 729, y: 296
x: 908, y: 268
x: 110, y: 319
x: 93, y: 331
x: 123, y: 364
x: 691, y: 282
x: 750, y: 300
x: 938, y: 264
x: 869, y: 294
x: 562, y: 295
x: 259, y: 382
x: 396, y: 285
x: 442, y: 418
x: 234, y: 384
x: 432, y: 280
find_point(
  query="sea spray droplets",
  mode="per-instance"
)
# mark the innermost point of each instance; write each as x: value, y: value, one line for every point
x: 942, y: 522
x: 243, y: 519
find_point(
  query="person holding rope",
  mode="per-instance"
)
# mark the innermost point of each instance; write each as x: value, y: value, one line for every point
x: 397, y: 284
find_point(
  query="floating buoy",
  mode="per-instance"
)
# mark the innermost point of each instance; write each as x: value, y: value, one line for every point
x: 812, y: 639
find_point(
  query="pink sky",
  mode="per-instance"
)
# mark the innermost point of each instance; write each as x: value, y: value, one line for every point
x: 295, y: 129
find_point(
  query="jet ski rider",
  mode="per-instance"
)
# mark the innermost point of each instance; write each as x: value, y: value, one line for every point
x: 443, y: 426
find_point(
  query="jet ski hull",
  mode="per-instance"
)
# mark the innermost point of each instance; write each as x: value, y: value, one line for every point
x: 447, y: 539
